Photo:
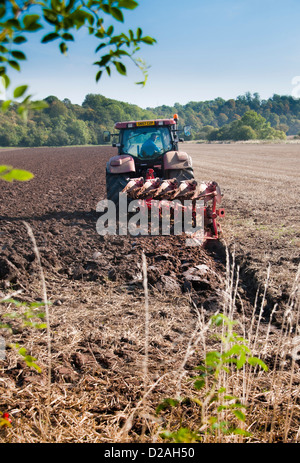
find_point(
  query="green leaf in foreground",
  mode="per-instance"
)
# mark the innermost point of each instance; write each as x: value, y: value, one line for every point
x: 166, y: 403
x: 9, y: 174
x: 19, y: 91
x: 29, y: 360
x: 183, y: 435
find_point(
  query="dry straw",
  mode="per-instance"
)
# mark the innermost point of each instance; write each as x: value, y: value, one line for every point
x: 81, y: 411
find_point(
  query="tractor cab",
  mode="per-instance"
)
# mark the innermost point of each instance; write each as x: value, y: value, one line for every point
x: 146, y: 139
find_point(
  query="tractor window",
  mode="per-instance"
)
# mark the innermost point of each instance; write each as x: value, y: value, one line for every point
x: 146, y: 142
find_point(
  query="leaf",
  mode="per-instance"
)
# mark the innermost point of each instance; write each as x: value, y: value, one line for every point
x: 49, y: 37
x: 128, y: 4
x: 142, y: 82
x: 22, y: 351
x: 30, y: 22
x: 218, y: 319
x: 212, y: 358
x: 5, y: 80
x: 38, y: 105
x: 63, y: 48
x: 199, y: 384
x: 19, y: 91
x: 120, y: 68
x: 5, y: 168
x: 21, y: 175
x: 23, y: 111
x: 166, y: 403
x: 242, y: 432
x: 50, y: 16
x: 105, y: 8
x: 13, y: 24
x: 241, y: 361
x: 102, y: 45
x: 67, y: 36
x: 104, y: 60
x: 30, y: 361
x: 2, y: 11
x: 240, y: 415
x: 5, y: 105
x: 3, y: 49
x: 20, y: 39
x: 18, y: 55
x: 98, y: 76
x: 18, y: 175
x: 149, y: 40
x: 110, y: 30
x: 41, y: 326
x: 256, y: 361
x: 15, y: 65
x: 183, y: 435
x: 117, y: 14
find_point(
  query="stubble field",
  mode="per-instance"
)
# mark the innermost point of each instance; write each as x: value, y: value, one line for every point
x: 113, y: 357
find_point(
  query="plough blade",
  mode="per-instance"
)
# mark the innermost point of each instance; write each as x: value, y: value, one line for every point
x: 149, y: 188
x: 138, y: 188
x: 166, y: 189
x: 169, y: 195
x: 133, y: 187
x: 186, y: 190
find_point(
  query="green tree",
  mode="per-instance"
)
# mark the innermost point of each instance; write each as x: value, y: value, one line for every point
x: 244, y: 132
x: 56, y: 107
x: 253, y: 119
x: 78, y: 132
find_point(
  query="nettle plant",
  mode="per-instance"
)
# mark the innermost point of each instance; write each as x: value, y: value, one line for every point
x: 221, y: 412
x: 29, y: 315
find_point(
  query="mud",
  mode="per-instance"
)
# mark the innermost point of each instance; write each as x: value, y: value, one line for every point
x: 95, y: 285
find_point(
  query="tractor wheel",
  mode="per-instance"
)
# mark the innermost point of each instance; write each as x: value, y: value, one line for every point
x: 181, y: 174
x: 115, y: 183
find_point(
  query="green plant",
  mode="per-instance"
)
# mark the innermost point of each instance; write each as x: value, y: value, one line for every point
x: 31, y: 317
x: 221, y: 412
x: 9, y: 174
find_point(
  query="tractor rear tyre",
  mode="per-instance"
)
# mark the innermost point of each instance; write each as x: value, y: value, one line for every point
x: 115, y: 183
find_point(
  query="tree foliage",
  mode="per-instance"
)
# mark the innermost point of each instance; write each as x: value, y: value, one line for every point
x: 59, y: 21
x: 65, y: 123
x: 251, y: 126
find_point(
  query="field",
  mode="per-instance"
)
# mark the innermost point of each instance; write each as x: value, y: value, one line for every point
x: 115, y: 354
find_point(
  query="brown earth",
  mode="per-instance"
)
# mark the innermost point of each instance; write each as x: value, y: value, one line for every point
x: 261, y: 188
x: 95, y: 284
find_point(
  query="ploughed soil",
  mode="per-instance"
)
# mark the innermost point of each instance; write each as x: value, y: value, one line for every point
x: 105, y: 340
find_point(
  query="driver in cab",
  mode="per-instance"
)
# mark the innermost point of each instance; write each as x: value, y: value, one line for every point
x: 149, y: 147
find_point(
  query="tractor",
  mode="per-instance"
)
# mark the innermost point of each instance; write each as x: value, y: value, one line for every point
x: 150, y: 166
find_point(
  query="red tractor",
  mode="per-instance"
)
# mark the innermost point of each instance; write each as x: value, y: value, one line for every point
x: 149, y: 166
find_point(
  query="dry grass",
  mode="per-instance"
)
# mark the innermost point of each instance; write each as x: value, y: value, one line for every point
x: 260, y: 183
x: 116, y: 356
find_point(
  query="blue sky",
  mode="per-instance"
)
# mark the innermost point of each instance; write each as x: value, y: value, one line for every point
x: 205, y: 49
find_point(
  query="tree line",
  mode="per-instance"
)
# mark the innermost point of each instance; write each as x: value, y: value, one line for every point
x: 63, y: 123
